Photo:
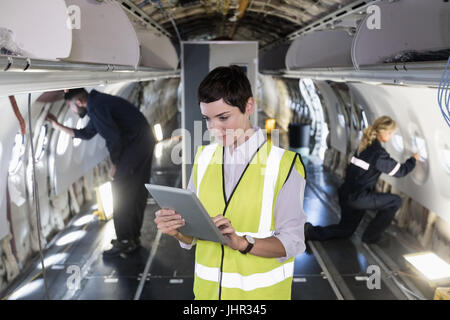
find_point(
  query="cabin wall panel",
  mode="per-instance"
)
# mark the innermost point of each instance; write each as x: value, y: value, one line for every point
x: 416, y: 112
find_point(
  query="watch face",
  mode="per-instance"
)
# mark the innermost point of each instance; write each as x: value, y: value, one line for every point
x: 250, y: 239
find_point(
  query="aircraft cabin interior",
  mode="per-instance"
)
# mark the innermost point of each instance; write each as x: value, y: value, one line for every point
x: 321, y: 72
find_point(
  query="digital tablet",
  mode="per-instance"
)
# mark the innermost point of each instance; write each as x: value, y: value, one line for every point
x: 198, y: 222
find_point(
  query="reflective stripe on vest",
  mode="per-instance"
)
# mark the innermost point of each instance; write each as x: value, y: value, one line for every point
x: 203, y: 162
x: 270, y: 179
x: 246, y: 283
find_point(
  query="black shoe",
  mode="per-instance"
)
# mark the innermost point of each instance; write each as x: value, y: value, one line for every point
x: 308, y: 249
x: 121, y: 248
x: 382, y: 241
x: 308, y: 227
x: 111, y: 253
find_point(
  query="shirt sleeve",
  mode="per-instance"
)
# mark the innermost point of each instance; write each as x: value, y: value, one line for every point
x: 87, y: 132
x: 386, y: 164
x: 186, y: 246
x: 290, y: 217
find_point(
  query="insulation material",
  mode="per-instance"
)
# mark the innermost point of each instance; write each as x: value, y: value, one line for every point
x: 8, y: 45
x: 419, y: 55
x: 11, y: 266
x: 17, y: 196
x: 160, y: 100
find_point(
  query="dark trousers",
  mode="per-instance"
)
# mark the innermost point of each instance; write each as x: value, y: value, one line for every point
x: 352, y: 212
x: 130, y: 200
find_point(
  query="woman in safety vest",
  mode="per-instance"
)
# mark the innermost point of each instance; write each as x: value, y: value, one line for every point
x: 253, y: 191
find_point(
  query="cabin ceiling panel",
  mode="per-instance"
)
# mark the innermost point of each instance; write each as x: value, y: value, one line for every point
x: 209, y: 19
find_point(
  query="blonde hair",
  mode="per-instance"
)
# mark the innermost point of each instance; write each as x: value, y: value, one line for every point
x: 383, y: 123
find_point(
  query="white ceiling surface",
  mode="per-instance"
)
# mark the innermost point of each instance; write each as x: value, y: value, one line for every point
x: 416, y: 112
x: 404, y: 25
x: 45, y: 34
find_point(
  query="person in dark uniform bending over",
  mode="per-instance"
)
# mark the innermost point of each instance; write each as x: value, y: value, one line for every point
x: 358, y: 194
x: 130, y: 143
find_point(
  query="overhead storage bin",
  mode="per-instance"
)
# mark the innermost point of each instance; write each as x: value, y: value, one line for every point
x: 320, y: 49
x: 105, y: 34
x: 35, y: 29
x: 406, y: 31
x: 273, y: 59
x: 157, y: 51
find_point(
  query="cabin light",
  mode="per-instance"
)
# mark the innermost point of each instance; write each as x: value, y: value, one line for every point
x: 54, y: 259
x: 158, y: 150
x: 104, y: 201
x: 270, y: 125
x: 85, y: 219
x: 26, y: 290
x: 158, y: 132
x: 70, y: 237
x: 428, y: 264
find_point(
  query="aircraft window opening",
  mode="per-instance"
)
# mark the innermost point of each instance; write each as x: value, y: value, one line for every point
x: 397, y: 142
x: 17, y: 153
x: 41, y: 142
x: 80, y: 125
x: 64, y: 138
x: 355, y: 125
x: 420, y: 146
x: 364, y: 118
x: 341, y: 120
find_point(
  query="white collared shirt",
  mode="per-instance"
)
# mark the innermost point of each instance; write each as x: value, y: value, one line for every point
x: 289, y: 215
x: 237, y: 159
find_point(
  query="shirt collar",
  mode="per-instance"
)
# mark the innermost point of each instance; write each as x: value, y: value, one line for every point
x: 246, y: 150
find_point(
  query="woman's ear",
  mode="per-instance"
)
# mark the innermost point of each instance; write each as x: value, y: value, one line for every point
x: 250, y: 106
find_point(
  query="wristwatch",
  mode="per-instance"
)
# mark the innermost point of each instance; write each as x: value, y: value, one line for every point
x: 251, y: 243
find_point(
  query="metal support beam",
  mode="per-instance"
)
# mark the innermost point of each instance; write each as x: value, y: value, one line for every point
x: 23, y: 75
x: 428, y: 74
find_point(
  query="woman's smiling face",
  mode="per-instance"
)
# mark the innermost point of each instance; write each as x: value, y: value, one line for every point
x: 225, y: 122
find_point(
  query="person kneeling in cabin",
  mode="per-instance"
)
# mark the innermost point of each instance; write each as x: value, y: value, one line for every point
x: 357, y: 194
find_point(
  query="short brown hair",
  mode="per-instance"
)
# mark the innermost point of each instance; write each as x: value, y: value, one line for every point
x: 228, y: 83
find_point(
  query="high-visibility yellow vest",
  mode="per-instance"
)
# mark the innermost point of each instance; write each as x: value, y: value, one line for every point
x: 224, y: 273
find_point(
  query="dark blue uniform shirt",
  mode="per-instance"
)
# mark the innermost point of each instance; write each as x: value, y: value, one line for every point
x: 127, y: 133
x: 365, y: 169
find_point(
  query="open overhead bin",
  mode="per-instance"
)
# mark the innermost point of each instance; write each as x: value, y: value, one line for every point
x: 406, y: 30
x: 102, y: 33
x: 273, y: 59
x: 157, y: 51
x: 320, y: 49
x: 35, y: 29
